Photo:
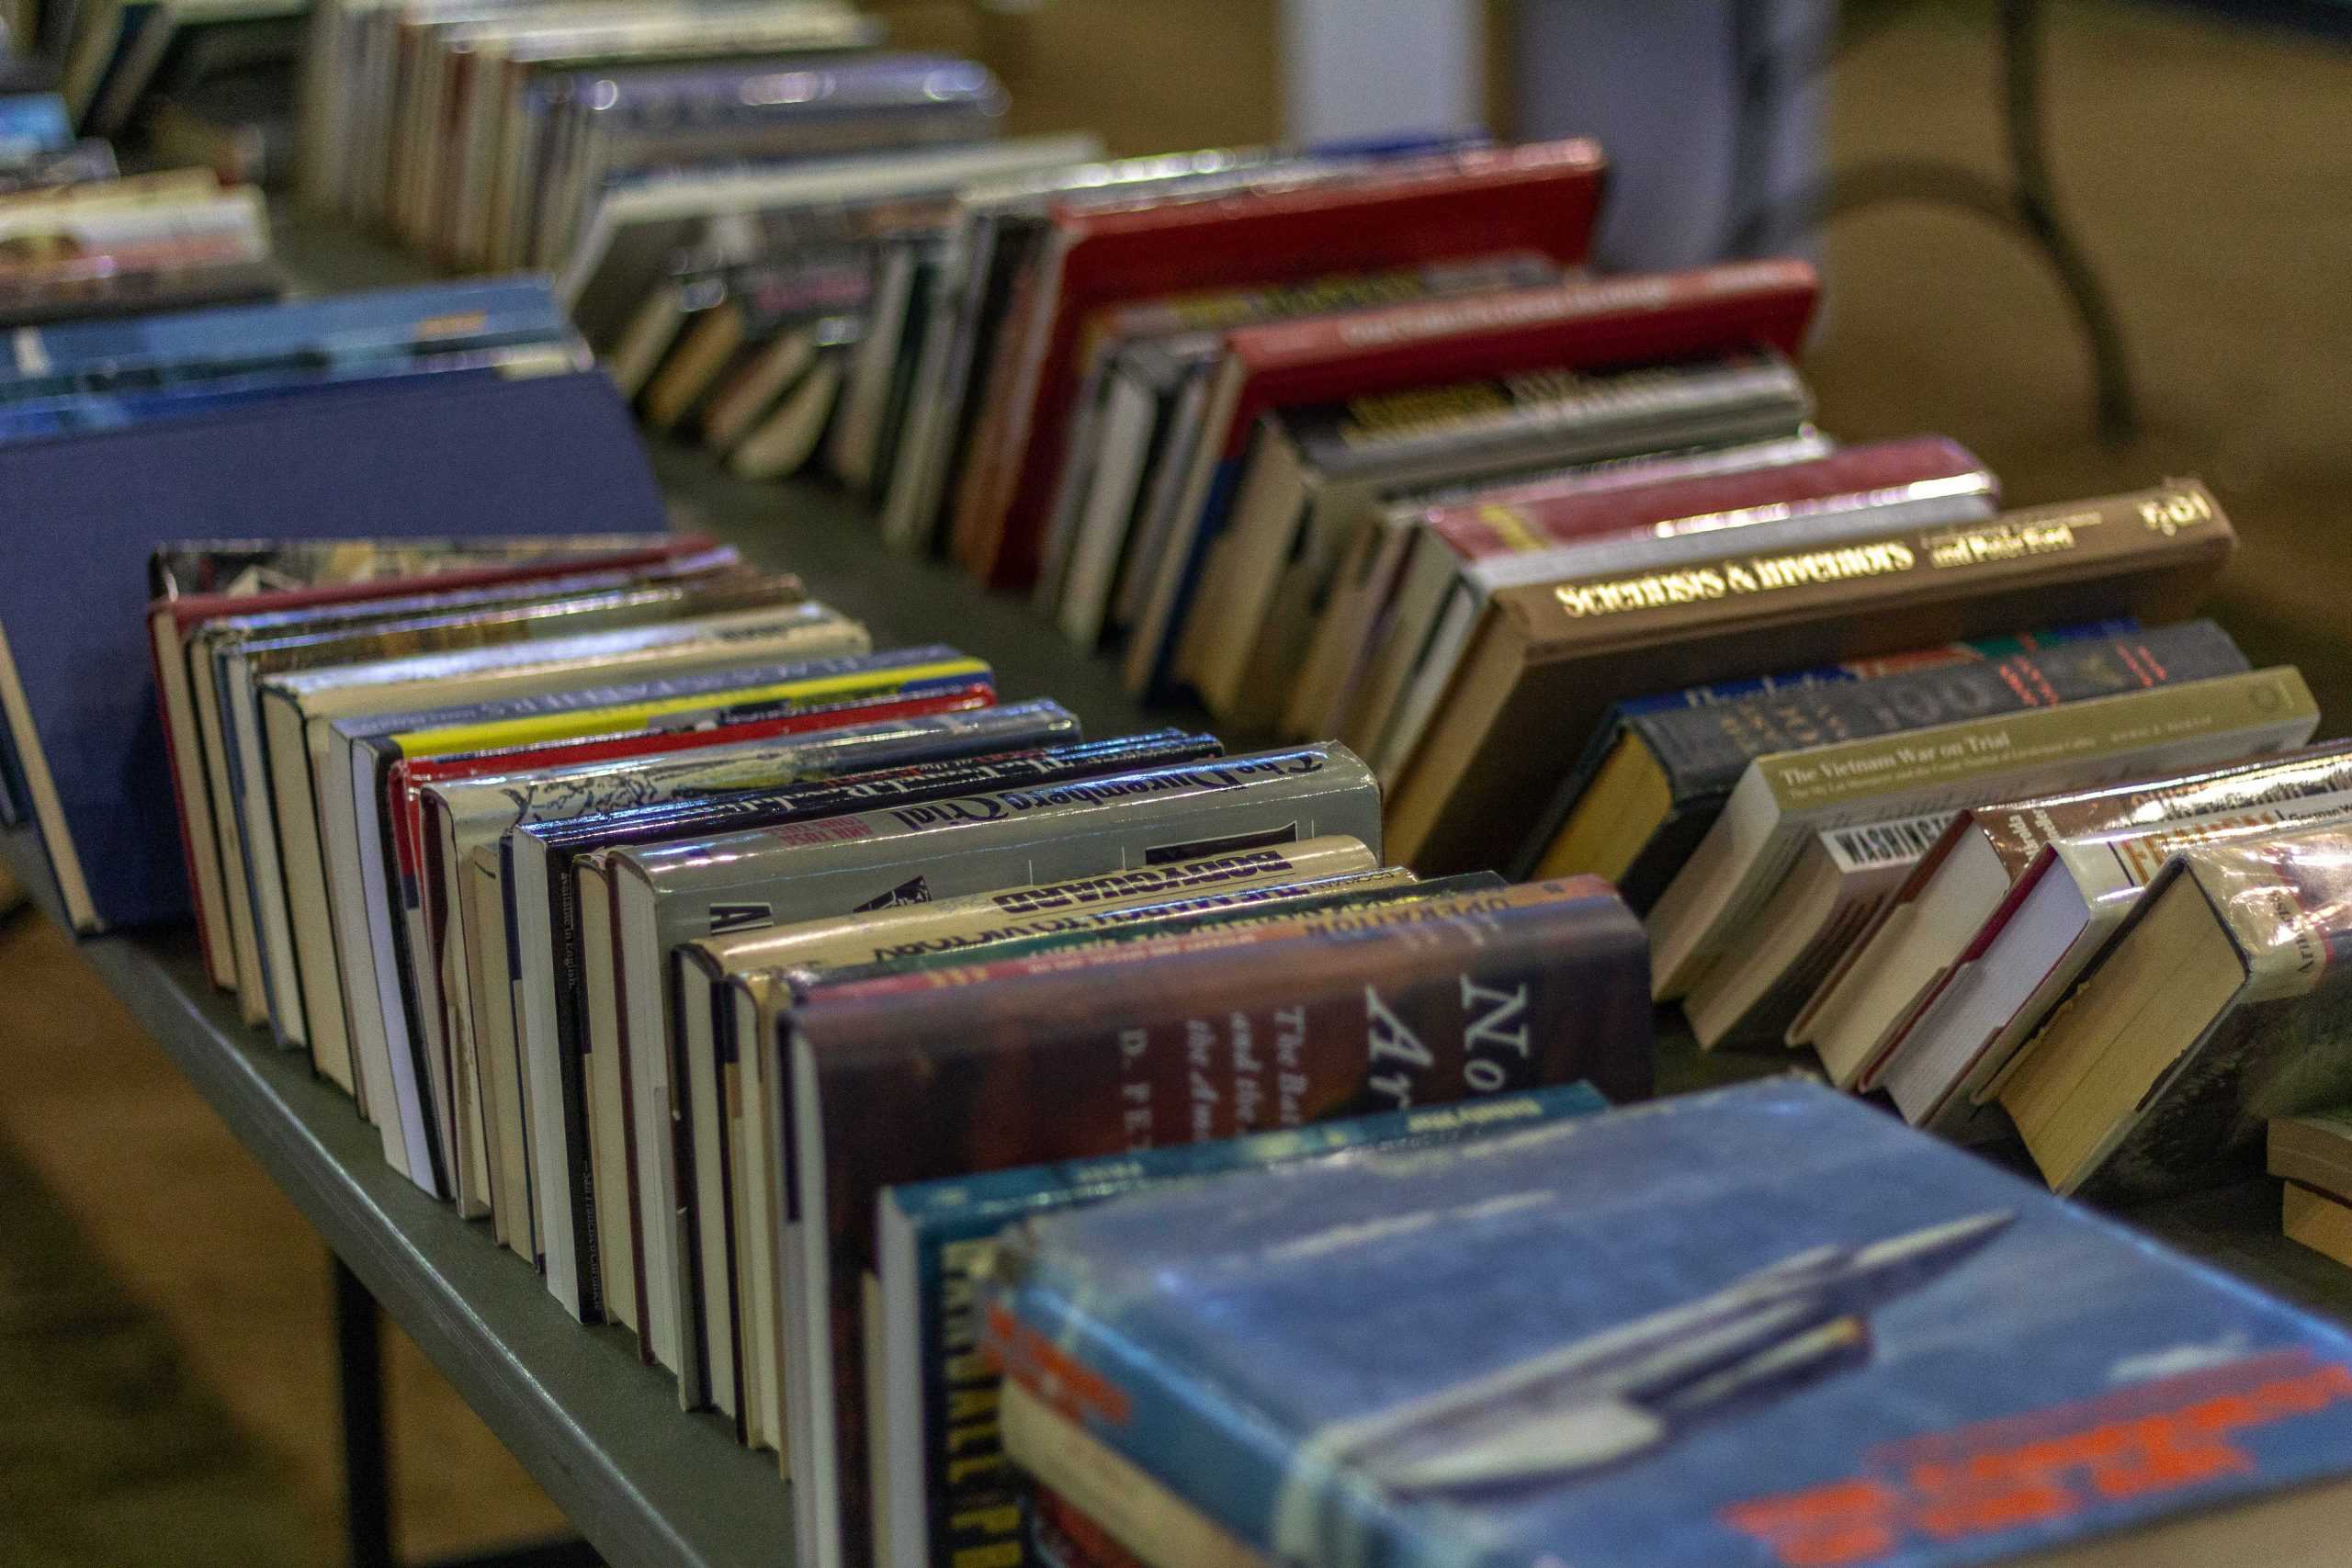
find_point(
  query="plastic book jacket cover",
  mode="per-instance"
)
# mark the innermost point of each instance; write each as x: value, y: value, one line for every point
x: 1768, y: 1325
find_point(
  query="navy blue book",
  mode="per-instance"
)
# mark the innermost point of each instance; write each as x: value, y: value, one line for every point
x: 954, y: 1497
x: 550, y: 455
x: 1656, y: 776
x: 1767, y: 1327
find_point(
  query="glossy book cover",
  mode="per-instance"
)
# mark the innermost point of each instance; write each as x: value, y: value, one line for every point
x: 1767, y: 1327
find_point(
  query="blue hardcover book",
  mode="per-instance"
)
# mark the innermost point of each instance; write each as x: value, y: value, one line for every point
x: 341, y: 329
x: 31, y: 123
x: 954, y: 1497
x: 1768, y: 1327
x: 552, y: 455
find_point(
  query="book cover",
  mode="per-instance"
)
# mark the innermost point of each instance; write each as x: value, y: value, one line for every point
x: 1545, y: 659
x: 1304, y: 1021
x: 953, y: 1490
x: 544, y: 455
x: 1766, y: 1328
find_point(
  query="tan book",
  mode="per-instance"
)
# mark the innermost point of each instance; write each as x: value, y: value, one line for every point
x: 752, y: 391
x: 2317, y: 1221
x: 1546, y: 660
x: 781, y: 444
x: 697, y: 360
x: 2314, y: 1151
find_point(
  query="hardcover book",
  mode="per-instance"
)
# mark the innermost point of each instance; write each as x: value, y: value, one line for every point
x: 2218, y: 1006
x: 1765, y: 1327
x: 1546, y: 660
x: 953, y: 1490
x: 1657, y: 780
x: 1304, y: 1021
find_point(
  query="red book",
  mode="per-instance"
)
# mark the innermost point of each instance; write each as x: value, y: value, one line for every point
x: 1541, y: 198
x: 1879, y: 473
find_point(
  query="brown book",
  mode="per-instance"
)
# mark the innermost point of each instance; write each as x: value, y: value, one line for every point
x: 1176, y: 1039
x: 1547, y: 659
x: 2314, y: 1151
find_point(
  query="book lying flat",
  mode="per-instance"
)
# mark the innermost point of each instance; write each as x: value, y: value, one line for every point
x: 1767, y: 1326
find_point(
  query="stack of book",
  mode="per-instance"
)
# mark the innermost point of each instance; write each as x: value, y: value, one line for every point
x: 515, y: 136
x: 628, y: 894
x: 1764, y: 1326
x: 78, y: 240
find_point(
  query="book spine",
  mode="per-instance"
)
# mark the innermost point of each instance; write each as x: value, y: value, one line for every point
x: 1703, y: 750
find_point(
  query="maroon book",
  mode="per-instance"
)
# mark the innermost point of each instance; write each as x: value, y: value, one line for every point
x: 1096, y: 1051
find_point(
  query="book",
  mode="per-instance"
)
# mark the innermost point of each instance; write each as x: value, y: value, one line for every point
x: 1540, y: 198
x: 548, y: 454
x: 1781, y: 797
x: 1839, y: 881
x: 955, y: 831
x: 1354, y: 614
x: 1988, y: 867
x: 1314, y: 1018
x: 1654, y: 782
x: 2317, y: 1220
x: 2312, y: 1152
x: 2212, y: 1009
x: 709, y: 1055
x: 1466, y: 553
x: 1765, y: 1325
x: 951, y: 1489
x: 1312, y: 477
x: 394, y: 998
x: 1579, y: 325
x: 462, y: 812
x: 1546, y: 658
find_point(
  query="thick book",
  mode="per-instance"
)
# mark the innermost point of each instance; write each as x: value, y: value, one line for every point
x: 2313, y: 1151
x: 1173, y: 1042
x: 1542, y: 197
x: 1583, y: 323
x: 1659, y: 778
x: 953, y: 1491
x: 1765, y: 1326
x: 2219, y: 1005
x: 955, y: 831
x: 1466, y: 554
x: 1984, y: 869
x: 1546, y: 660
x: 554, y: 455
x: 1782, y: 796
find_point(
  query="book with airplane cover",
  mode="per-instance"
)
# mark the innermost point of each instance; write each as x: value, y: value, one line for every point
x: 1781, y: 797
x: 1654, y: 782
x: 1981, y: 872
x: 1764, y: 1326
x: 1581, y: 323
x: 1480, y: 201
x: 1314, y: 1018
x: 1546, y: 658
x: 2219, y: 1005
x: 1465, y: 554
x: 953, y: 1490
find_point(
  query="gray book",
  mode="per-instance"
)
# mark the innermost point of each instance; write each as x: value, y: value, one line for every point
x: 663, y: 895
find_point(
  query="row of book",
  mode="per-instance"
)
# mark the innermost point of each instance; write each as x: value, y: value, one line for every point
x: 626, y: 892
x: 77, y: 238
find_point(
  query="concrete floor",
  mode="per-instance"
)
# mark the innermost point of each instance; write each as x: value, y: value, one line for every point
x: 171, y: 1290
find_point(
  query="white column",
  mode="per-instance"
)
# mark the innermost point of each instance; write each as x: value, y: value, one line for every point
x: 1370, y: 68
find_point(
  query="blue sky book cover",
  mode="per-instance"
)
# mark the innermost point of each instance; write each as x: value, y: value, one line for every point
x: 933, y: 1234
x: 1768, y: 1326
